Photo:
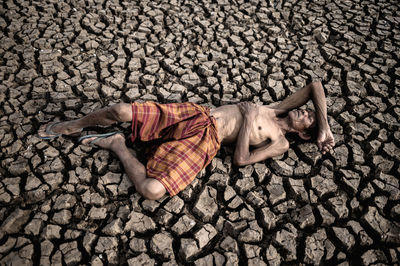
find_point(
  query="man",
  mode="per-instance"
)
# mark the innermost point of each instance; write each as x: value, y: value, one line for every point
x: 192, y: 135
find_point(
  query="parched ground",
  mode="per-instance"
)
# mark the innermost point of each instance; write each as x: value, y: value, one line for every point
x: 65, y: 203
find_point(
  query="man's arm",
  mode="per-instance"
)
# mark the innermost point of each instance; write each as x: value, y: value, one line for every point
x: 243, y: 155
x: 275, y: 148
x: 315, y: 92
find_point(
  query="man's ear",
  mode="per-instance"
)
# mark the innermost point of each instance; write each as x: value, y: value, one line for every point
x: 304, y: 135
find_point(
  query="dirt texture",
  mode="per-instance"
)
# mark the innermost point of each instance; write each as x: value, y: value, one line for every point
x: 64, y: 203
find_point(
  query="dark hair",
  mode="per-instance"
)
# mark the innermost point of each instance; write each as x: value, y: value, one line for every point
x: 312, y: 131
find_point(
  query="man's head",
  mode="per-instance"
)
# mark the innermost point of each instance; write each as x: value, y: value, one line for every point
x: 304, y: 122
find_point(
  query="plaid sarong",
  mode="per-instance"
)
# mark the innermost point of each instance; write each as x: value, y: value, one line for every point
x: 189, y: 140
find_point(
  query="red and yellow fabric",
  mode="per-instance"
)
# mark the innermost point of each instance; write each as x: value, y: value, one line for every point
x: 190, y: 140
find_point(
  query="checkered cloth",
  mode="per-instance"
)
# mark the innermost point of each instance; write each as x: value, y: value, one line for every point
x: 189, y: 140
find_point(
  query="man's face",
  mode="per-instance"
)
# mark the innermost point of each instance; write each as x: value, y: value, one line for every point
x: 302, y: 119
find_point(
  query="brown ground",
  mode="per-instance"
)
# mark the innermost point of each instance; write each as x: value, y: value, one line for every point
x: 65, y: 203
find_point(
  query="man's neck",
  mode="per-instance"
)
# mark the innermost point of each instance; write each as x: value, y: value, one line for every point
x: 284, y: 124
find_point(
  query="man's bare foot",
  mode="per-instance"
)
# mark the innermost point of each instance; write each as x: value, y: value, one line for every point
x: 55, y: 129
x: 110, y: 143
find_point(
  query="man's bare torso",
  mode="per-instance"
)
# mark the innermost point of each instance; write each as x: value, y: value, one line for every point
x: 230, y: 119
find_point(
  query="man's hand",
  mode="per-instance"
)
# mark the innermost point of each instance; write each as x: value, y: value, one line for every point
x: 249, y: 110
x: 325, y: 140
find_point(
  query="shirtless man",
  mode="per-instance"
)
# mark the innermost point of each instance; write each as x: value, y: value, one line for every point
x: 258, y: 131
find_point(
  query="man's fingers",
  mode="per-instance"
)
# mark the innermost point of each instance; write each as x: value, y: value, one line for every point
x: 328, y: 148
x: 325, y: 146
x: 319, y: 144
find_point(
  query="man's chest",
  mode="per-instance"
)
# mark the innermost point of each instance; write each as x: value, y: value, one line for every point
x: 263, y: 129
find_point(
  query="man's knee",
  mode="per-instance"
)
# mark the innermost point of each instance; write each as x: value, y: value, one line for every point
x: 152, y: 189
x: 121, y: 112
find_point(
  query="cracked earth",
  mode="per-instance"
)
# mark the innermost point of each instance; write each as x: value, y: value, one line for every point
x: 63, y: 203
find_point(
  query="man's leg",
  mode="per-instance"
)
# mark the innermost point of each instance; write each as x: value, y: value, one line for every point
x: 149, y: 188
x: 121, y: 112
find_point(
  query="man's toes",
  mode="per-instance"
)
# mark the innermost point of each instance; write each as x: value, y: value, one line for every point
x: 42, y: 128
x: 87, y: 141
x: 42, y: 131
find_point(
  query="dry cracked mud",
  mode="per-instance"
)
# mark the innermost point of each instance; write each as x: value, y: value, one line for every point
x: 62, y: 203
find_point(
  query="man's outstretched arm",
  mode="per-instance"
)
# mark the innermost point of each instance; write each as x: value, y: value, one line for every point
x: 315, y: 92
x: 243, y: 155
